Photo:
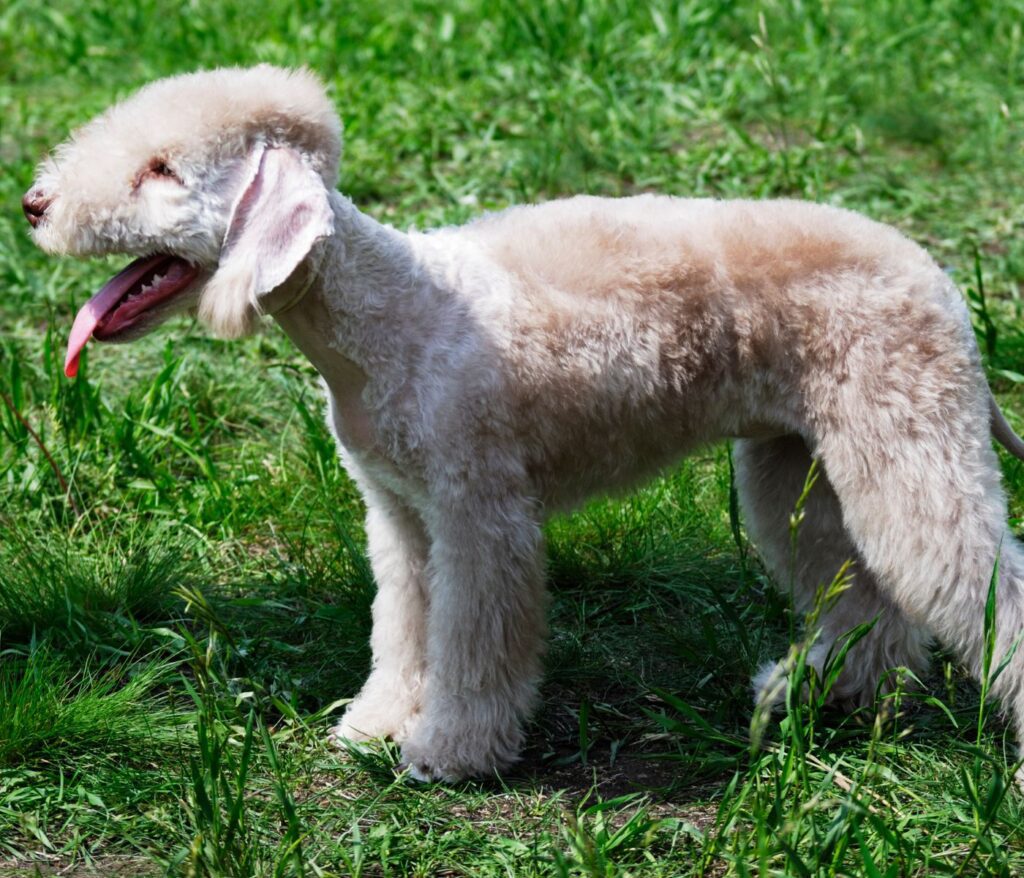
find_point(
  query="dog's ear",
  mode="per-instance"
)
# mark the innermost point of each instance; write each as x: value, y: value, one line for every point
x: 280, y: 212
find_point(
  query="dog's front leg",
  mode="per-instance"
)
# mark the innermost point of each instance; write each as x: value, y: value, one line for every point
x: 389, y: 702
x: 485, y: 633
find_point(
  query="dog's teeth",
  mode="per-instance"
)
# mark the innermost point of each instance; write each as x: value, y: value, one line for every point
x: 154, y: 282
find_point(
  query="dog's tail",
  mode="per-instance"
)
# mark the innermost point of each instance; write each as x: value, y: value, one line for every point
x: 1002, y: 431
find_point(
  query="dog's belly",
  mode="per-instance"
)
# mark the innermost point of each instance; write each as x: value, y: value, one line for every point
x: 576, y: 454
x: 759, y: 429
x: 597, y: 461
x: 576, y: 484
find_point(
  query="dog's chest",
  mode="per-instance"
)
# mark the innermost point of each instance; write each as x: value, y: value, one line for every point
x: 361, y: 448
x: 350, y: 421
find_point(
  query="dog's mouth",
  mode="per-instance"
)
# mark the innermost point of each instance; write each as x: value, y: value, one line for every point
x: 128, y: 301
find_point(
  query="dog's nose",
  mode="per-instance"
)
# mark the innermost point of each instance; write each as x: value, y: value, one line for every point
x: 34, y: 204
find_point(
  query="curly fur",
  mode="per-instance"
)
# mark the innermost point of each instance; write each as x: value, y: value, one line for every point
x: 479, y: 378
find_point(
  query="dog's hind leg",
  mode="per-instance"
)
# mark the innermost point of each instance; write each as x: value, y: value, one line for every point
x: 390, y: 700
x: 770, y: 477
x: 919, y: 486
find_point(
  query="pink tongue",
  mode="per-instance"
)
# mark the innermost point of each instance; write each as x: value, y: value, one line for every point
x: 93, y: 311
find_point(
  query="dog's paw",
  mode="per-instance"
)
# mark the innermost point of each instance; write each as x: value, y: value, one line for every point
x: 451, y: 765
x: 360, y: 728
x: 452, y: 752
x: 346, y: 733
x: 769, y: 685
x: 426, y: 774
x: 856, y: 686
x: 370, y: 718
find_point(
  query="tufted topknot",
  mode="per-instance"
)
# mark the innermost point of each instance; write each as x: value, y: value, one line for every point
x: 221, y: 112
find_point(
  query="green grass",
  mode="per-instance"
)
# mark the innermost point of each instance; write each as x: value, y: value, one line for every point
x: 184, y: 597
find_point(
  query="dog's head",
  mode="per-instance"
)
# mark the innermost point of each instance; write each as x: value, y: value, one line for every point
x: 217, y: 182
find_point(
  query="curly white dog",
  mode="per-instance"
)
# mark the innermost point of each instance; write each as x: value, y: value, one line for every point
x: 481, y: 377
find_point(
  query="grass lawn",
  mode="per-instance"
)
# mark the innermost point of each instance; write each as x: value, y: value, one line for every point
x: 184, y: 595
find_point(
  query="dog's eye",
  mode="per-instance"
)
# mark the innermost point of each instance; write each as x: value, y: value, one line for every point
x: 158, y: 168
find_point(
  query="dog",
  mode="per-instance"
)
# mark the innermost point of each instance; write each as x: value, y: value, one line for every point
x: 479, y: 378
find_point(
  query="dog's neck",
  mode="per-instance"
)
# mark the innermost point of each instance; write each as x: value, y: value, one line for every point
x: 349, y: 307
x: 346, y: 299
